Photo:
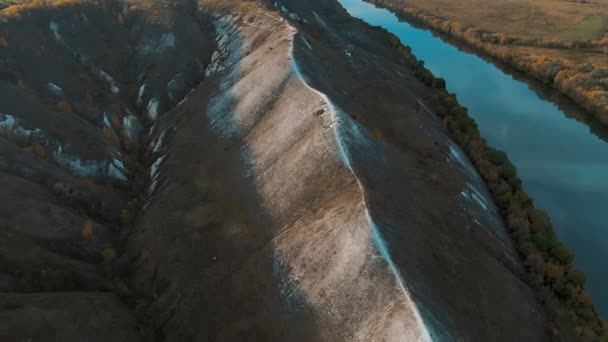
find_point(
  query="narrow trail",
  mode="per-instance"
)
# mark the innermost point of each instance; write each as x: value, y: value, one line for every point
x: 336, y: 119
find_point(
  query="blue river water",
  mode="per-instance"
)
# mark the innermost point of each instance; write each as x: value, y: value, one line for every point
x: 562, y: 163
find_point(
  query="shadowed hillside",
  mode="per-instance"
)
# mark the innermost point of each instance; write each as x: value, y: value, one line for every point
x: 237, y: 170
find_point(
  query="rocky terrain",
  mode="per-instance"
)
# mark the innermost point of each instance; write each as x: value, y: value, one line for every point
x: 237, y: 171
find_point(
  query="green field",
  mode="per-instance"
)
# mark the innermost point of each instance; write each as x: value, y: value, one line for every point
x: 592, y: 27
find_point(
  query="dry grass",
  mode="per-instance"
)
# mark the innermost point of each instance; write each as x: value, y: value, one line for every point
x: 528, y: 43
x: 15, y: 10
x: 591, y: 28
x: 543, y: 19
x: 571, y: 58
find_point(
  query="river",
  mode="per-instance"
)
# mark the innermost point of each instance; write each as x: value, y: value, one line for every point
x: 563, y: 163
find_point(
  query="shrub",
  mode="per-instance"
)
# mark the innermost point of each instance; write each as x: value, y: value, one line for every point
x: 424, y: 76
x: 540, y: 221
x: 22, y: 140
x: 497, y: 157
x: 509, y: 172
x: 549, y: 263
x: 464, y: 123
x: 543, y: 241
x: 562, y: 254
x: 377, y: 134
x: 554, y: 273
x: 129, y: 213
x: 577, y: 278
x: 63, y: 107
x: 87, y: 231
x: 439, y: 83
x: 536, y: 263
x: 108, y: 254
x: 39, y: 151
x: 450, y: 100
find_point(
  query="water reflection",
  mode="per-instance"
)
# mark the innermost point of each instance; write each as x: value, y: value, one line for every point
x: 562, y: 161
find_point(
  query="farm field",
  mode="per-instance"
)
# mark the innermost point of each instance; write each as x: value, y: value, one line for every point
x: 546, y: 19
x: 561, y: 43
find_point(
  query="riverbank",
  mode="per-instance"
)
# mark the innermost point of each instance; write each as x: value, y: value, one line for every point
x: 338, y: 216
x: 549, y: 263
x: 584, y: 83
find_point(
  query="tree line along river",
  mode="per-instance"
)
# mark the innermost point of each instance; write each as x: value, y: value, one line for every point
x: 562, y: 162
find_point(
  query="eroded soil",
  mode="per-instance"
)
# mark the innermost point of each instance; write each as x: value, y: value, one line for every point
x: 236, y: 170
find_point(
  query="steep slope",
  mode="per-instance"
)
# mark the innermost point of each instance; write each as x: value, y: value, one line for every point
x: 301, y: 221
x: 73, y: 155
x: 246, y: 201
x: 270, y: 171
